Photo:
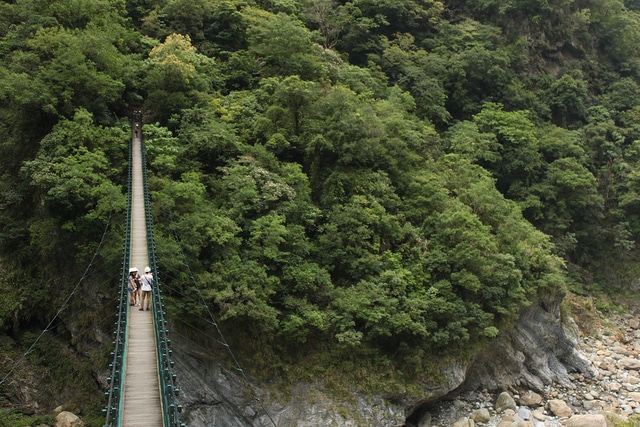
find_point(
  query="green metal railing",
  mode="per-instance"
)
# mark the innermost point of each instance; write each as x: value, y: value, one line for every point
x: 171, y: 407
x: 113, y: 411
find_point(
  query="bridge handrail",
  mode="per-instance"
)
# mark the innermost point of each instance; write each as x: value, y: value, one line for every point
x: 113, y: 411
x: 170, y: 405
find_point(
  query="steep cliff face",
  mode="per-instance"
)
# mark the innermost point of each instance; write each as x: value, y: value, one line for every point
x: 213, y: 395
x: 541, y: 349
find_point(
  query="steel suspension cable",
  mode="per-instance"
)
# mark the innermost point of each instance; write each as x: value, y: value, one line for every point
x: 66, y: 302
x: 213, y: 322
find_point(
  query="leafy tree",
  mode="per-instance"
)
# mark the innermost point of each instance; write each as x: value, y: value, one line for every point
x: 284, y: 46
x: 73, y: 187
x: 165, y: 153
x: 568, y: 99
x: 79, y: 13
x: 517, y: 160
x: 617, y: 31
x: 369, y: 21
x: 282, y: 123
x: 73, y: 174
x: 178, y: 76
x: 329, y: 17
x: 214, y: 26
x: 251, y: 190
x: 473, y: 65
x: 348, y: 132
x: 569, y: 196
x: 356, y: 234
x: 420, y: 74
x: 476, y: 246
x: 466, y: 139
x: 621, y: 95
x: 207, y: 138
x: 74, y: 74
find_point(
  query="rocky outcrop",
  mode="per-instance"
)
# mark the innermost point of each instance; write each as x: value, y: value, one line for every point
x: 612, y: 394
x: 213, y: 396
x: 542, y: 349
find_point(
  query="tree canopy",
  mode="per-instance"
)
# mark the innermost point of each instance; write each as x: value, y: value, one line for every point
x: 352, y: 176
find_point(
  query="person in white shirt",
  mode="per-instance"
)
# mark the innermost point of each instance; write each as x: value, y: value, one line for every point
x: 147, y: 285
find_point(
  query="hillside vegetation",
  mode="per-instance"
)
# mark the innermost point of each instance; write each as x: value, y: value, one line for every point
x: 367, y: 180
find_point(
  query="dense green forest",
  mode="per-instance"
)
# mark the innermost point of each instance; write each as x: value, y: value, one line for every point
x: 370, y: 180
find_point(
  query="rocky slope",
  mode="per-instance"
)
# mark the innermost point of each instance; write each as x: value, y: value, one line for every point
x: 609, y: 394
x: 543, y: 355
x: 583, y: 380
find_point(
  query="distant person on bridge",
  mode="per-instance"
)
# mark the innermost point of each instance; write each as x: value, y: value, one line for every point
x: 147, y: 285
x: 134, y: 285
x: 137, y: 129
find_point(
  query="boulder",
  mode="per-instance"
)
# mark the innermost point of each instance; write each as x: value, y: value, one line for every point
x: 539, y: 414
x: 530, y: 399
x: 425, y: 420
x: 612, y: 418
x: 559, y: 408
x: 629, y: 363
x: 504, y: 402
x: 481, y: 415
x: 463, y: 422
x: 524, y: 413
x: 68, y: 419
x: 587, y: 420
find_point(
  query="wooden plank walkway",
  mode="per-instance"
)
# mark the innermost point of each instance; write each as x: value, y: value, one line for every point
x: 142, y: 400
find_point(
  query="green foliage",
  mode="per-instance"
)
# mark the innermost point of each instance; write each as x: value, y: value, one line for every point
x: 420, y: 73
x: 567, y: 98
x: 8, y: 418
x: 285, y: 47
x: 358, y: 179
x: 178, y: 77
x: 632, y: 421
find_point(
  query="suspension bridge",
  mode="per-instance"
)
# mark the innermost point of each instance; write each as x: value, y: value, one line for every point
x: 142, y: 388
x: 142, y: 384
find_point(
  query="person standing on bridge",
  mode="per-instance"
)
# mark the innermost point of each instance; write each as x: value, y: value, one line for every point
x: 147, y: 285
x: 134, y: 285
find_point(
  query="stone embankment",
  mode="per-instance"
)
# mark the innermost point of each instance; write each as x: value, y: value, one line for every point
x: 611, y: 396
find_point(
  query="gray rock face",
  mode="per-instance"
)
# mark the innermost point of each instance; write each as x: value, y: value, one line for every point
x: 542, y: 349
x: 214, y: 396
x: 211, y: 396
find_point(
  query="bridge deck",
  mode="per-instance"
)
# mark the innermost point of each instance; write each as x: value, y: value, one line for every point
x: 141, y: 401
